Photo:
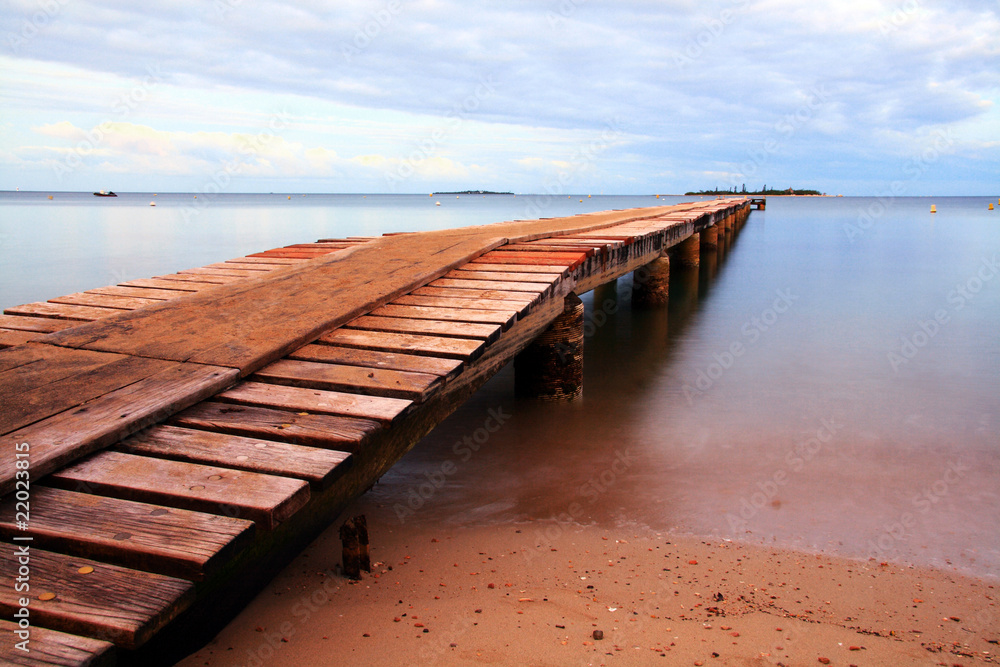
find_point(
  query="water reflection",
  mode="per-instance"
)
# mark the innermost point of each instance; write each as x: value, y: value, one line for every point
x: 759, y: 405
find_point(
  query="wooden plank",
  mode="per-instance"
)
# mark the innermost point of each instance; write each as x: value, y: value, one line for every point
x: 51, y: 648
x: 505, y: 318
x: 529, y: 299
x: 327, y: 431
x: 67, y: 436
x: 522, y: 268
x: 316, y: 401
x: 503, y: 276
x: 205, y: 271
x: 354, y: 379
x: 527, y: 259
x: 27, y: 323
x: 487, y: 332
x: 10, y: 337
x: 580, y: 251
x: 266, y: 500
x: 152, y: 538
x: 445, y: 368
x: 274, y: 261
x: 92, y: 598
x: 506, y: 286
x: 446, y: 303
x: 541, y: 253
x: 170, y: 285
x: 61, y: 311
x: 141, y: 292
x: 103, y: 301
x: 319, y: 467
x: 435, y: 346
x: 230, y: 265
x: 45, y: 380
x: 200, y: 278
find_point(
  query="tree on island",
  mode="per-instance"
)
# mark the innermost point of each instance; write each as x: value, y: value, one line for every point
x: 763, y: 191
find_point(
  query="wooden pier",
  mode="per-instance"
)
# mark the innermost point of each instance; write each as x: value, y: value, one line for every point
x: 170, y: 443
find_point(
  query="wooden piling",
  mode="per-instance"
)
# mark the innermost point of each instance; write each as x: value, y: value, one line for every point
x: 651, y: 283
x: 551, y: 367
x: 688, y: 251
x: 354, y: 538
x: 709, y: 238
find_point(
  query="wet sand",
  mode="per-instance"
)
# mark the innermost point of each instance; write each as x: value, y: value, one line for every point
x: 535, y: 593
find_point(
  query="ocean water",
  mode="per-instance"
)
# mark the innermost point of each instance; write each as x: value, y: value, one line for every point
x: 830, y: 380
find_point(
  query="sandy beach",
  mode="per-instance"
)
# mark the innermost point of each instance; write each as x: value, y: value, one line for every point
x: 543, y: 593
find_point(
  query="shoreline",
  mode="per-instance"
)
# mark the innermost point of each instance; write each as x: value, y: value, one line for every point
x: 534, y: 593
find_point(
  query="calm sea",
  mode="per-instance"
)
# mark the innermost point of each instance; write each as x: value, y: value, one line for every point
x: 829, y: 381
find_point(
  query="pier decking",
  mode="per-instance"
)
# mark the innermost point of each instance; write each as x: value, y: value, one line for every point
x: 184, y: 436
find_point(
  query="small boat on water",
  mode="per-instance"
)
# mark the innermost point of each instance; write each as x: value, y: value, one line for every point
x: 102, y: 193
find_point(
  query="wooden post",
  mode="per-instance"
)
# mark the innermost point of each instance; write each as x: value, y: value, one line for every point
x: 651, y: 283
x: 354, y: 539
x: 688, y: 251
x: 551, y: 367
x: 709, y: 238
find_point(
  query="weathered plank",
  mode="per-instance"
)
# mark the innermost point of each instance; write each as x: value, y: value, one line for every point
x: 87, y: 597
x: 27, y: 323
x: 44, y: 380
x: 327, y: 431
x: 141, y: 292
x: 319, y: 467
x: 486, y: 332
x: 527, y: 259
x: 354, y: 379
x: 505, y: 286
x: 169, y: 285
x: 504, y: 318
x: 265, y: 499
x: 348, y: 356
x: 503, y: 276
x: 69, y: 435
x: 61, y: 311
x: 527, y: 299
x: 170, y: 541
x: 497, y: 305
x: 230, y: 265
x: 521, y: 268
x: 452, y: 348
x: 316, y: 401
x: 199, y: 278
x: 103, y: 301
x: 12, y: 337
x: 51, y: 648
x: 205, y: 271
x: 273, y: 261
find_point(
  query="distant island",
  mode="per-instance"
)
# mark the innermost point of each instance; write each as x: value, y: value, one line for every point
x: 474, y: 192
x: 763, y: 191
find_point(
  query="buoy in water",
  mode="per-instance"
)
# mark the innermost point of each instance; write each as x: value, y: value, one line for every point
x: 152, y: 203
x: 991, y: 204
x: 289, y: 196
x: 437, y: 203
x: 50, y: 197
x: 933, y: 208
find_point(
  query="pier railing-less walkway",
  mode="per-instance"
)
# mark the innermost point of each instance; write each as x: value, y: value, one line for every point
x: 169, y: 443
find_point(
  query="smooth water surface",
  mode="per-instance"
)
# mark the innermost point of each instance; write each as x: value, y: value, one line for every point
x: 820, y: 385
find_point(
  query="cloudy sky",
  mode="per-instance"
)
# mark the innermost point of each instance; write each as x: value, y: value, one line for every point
x: 853, y: 96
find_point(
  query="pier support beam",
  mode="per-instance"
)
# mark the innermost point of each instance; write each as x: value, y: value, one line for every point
x: 551, y: 367
x: 651, y: 283
x: 688, y: 251
x: 709, y: 238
